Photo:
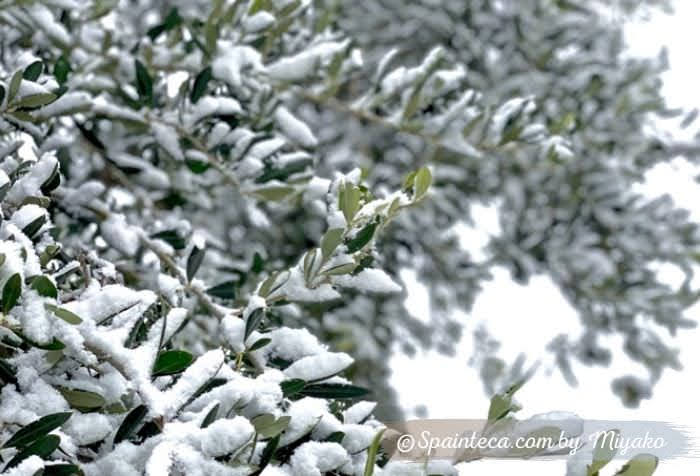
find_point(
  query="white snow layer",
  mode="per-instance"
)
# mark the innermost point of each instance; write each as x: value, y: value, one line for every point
x: 319, y: 367
x: 294, y: 129
x: 369, y: 280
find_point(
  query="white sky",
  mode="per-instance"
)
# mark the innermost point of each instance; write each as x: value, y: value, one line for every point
x: 526, y: 318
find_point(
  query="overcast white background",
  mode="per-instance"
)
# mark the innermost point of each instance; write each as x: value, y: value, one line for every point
x: 526, y: 318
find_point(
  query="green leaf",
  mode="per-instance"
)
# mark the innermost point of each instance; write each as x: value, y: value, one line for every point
x: 412, y: 105
x: 335, y: 437
x: 274, y: 193
x: 171, y: 362
x: 149, y: 429
x: 34, y: 226
x: 37, y: 429
x: 500, y: 407
x: 55, y: 344
x: 410, y: 180
x: 43, y: 202
x: 330, y: 241
x: 44, y: 286
x: 253, y: 321
x: 267, y: 454
x: 172, y: 20
x: 258, y: 5
x: 2, y: 259
x: 7, y: 373
x: 211, y: 34
x: 292, y: 386
x: 333, y: 391
x: 259, y: 344
x: 64, y: 314
x: 11, y: 292
x: 603, y: 451
x: 14, y: 86
x: 372, y: 452
x: 61, y: 69
x: 258, y: 263
x: 43, y: 447
x: 62, y: 469
x: 197, y: 166
x: 22, y: 116
x: 82, y: 399
x: 4, y: 189
x: 266, y: 286
x: 641, y: 465
x: 130, y: 423
x: 200, y: 84
x: 268, y: 427
x: 502, y: 404
x: 211, y: 416
x: 341, y: 269
x: 36, y: 100
x: 48, y: 254
x: 309, y: 264
x: 115, y: 408
x: 194, y: 261
x: 144, y: 84
x: 53, y: 356
x: 171, y: 237
x: 422, y: 183
x: 52, y: 182
x: 363, y: 237
x: 349, y: 200
x: 283, y: 173
x: 2, y: 94
x: 275, y: 281
x: 226, y: 290
x: 33, y: 71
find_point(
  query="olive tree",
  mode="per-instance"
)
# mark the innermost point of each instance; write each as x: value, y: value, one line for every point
x: 205, y: 208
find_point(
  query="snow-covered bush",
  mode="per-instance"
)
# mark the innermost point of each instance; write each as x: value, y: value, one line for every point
x: 147, y: 158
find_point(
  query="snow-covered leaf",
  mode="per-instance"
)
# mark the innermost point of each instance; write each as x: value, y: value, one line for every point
x: 334, y: 391
x: 253, y: 321
x: 132, y: 421
x: 330, y: 241
x: 42, y: 447
x: 144, y: 83
x: 226, y: 290
x: 65, y: 314
x: 640, y: 465
x: 194, y: 261
x: 268, y: 426
x: 11, y: 292
x: 82, y: 399
x: 171, y: 362
x: 37, y: 429
x: 199, y: 87
x: 33, y: 71
x: 362, y: 238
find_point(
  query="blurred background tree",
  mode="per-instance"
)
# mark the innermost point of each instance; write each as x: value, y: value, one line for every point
x: 570, y: 213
